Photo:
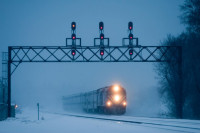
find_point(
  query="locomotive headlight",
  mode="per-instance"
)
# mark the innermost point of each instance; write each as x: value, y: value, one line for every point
x: 108, y: 103
x: 116, y: 88
x: 116, y: 98
x: 124, y: 103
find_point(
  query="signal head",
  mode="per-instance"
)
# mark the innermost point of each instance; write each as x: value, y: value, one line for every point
x: 101, y: 25
x: 130, y: 25
x: 73, y: 25
x: 101, y: 52
x: 73, y: 36
x: 131, y: 52
x: 101, y: 36
x: 73, y: 52
x: 130, y: 36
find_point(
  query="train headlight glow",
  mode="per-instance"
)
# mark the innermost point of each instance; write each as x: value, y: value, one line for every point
x: 124, y: 103
x: 116, y: 88
x: 116, y: 98
x: 108, y: 103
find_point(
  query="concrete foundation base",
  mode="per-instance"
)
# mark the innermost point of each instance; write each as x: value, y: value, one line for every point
x: 4, y: 111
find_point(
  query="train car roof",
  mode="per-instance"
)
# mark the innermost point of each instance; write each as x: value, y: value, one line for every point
x: 82, y: 93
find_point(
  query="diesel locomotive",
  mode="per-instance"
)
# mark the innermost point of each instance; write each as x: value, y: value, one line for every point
x: 109, y: 100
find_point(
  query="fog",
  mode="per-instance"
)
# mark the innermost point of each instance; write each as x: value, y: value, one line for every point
x: 47, y: 23
x: 47, y: 86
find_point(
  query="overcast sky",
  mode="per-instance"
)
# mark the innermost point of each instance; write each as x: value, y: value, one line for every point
x: 47, y: 23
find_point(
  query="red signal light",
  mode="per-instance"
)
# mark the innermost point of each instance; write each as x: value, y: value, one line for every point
x: 101, y: 36
x: 73, y: 36
x: 101, y: 25
x: 130, y: 25
x: 130, y: 36
x: 101, y: 52
x: 73, y: 52
x: 130, y: 52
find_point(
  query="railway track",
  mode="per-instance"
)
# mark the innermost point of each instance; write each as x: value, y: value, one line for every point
x: 179, y: 126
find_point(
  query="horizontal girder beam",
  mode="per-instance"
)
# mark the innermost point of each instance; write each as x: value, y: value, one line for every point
x: 92, y: 54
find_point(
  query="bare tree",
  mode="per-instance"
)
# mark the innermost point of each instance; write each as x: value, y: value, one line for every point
x: 186, y: 101
x: 191, y: 15
x: 170, y: 74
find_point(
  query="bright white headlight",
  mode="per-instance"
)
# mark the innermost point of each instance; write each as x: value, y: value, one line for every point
x: 116, y: 88
x: 124, y: 103
x: 108, y: 103
x: 116, y: 98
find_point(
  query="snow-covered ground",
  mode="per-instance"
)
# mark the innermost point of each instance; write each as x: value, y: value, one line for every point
x: 26, y: 122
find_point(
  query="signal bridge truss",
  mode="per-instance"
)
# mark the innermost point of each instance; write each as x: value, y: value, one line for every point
x: 19, y: 54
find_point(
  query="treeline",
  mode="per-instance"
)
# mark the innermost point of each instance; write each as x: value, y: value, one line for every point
x: 183, y: 102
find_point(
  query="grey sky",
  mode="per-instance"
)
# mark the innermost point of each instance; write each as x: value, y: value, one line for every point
x: 47, y: 22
